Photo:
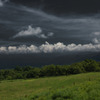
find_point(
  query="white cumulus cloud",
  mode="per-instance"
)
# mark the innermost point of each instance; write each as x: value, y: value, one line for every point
x: 97, y: 33
x: 30, y: 31
x: 95, y: 40
x: 50, y: 48
x: 96, y: 37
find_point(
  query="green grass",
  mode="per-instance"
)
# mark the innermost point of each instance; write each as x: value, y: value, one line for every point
x: 74, y: 87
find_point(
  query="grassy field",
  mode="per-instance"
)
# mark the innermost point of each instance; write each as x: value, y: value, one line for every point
x: 74, y: 87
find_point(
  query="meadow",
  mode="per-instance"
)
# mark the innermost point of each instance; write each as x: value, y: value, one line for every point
x: 84, y: 86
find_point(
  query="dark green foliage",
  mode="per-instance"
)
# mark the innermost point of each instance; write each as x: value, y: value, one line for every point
x: 33, y: 73
x: 91, y: 65
x: 50, y: 70
x: 18, y: 68
x: 76, y: 68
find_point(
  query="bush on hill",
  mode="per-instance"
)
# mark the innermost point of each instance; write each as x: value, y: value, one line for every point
x: 49, y: 70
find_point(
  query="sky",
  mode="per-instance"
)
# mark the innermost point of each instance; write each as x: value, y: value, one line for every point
x: 42, y: 32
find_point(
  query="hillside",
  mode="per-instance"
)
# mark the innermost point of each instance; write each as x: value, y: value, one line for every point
x: 73, y: 87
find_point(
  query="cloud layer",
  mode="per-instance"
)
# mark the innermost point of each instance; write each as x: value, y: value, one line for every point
x: 50, y: 48
x: 38, y: 32
x: 96, y: 38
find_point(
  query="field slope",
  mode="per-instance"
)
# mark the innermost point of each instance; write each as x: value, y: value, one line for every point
x: 74, y: 87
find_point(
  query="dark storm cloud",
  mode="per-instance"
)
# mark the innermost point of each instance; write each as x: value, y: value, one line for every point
x: 67, y: 29
x: 38, y: 60
x: 23, y: 26
x: 2, y: 2
x: 64, y: 6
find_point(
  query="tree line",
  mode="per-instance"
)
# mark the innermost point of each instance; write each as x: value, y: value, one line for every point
x: 49, y: 70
